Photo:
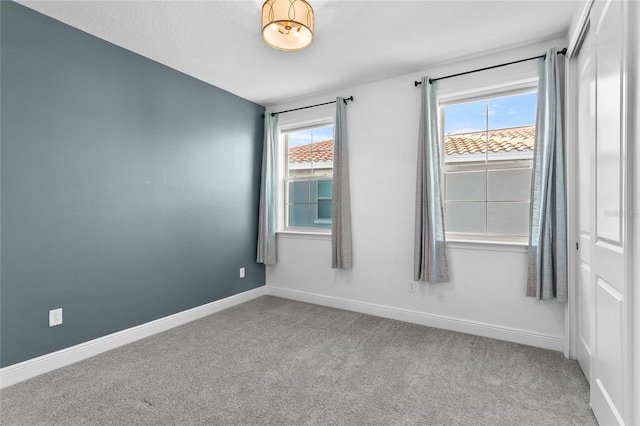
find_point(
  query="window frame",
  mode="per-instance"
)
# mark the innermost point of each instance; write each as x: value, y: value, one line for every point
x: 479, y: 94
x: 286, y: 179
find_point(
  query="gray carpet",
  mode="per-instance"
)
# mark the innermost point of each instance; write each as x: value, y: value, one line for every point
x: 273, y: 361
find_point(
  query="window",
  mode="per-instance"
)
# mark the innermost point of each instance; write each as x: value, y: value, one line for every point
x: 488, y: 152
x: 308, y: 177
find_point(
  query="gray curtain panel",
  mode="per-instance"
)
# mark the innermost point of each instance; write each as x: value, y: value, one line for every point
x: 341, y: 205
x: 547, y: 258
x: 267, y: 209
x: 430, y: 258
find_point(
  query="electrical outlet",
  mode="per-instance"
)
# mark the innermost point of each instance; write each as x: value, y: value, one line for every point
x: 55, y: 317
x: 241, y: 272
x: 411, y: 288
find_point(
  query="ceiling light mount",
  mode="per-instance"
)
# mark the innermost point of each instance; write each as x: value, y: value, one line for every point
x: 287, y: 24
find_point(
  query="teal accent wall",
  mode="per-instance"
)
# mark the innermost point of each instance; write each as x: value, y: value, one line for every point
x: 129, y: 191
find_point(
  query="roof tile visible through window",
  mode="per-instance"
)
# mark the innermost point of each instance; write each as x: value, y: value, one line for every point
x: 319, y: 152
x: 517, y: 138
x: 502, y: 140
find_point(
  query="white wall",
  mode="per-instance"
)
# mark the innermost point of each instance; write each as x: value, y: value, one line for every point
x: 486, y: 292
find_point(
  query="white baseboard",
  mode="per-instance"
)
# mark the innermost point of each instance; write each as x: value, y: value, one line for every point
x: 16, y: 373
x: 448, y: 323
x: 33, y: 367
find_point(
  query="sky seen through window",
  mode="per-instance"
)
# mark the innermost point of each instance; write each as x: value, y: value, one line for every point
x: 315, y: 135
x: 491, y: 114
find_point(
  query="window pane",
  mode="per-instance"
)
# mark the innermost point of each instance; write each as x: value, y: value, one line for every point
x: 512, y: 111
x: 508, y: 218
x: 324, y: 188
x: 300, y: 215
x: 310, y: 204
x: 324, y: 210
x: 509, y: 185
x: 465, y: 132
x: 465, y: 117
x: 309, y: 154
x: 299, y: 192
x: 511, y: 127
x: 322, y: 224
x: 465, y: 217
x: 310, y: 151
x: 488, y: 146
x: 466, y: 186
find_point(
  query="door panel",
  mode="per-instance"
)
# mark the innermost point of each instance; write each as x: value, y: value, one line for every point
x: 608, y: 113
x: 609, y: 363
x: 584, y: 320
x: 607, y: 396
x: 609, y: 331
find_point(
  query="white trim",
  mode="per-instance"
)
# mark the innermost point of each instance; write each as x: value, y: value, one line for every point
x: 488, y: 245
x: 630, y: 85
x: 571, y: 119
x: 304, y: 235
x: 571, y: 93
x: 457, y: 160
x: 296, y: 125
x: 16, y: 373
x: 438, y: 321
x: 571, y: 135
x: 510, y: 86
x: 518, y: 245
x: 578, y: 32
x: 318, y: 165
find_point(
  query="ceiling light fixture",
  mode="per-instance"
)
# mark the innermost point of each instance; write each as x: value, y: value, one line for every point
x: 287, y: 24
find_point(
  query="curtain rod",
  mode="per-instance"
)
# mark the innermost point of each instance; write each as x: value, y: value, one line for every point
x: 431, y: 80
x: 350, y: 98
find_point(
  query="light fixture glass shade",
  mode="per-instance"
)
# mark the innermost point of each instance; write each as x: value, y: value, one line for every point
x: 287, y: 24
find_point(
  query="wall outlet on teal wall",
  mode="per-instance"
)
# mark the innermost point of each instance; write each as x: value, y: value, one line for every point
x: 55, y: 317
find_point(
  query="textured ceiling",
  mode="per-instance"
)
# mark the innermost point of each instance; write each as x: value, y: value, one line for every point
x: 356, y: 41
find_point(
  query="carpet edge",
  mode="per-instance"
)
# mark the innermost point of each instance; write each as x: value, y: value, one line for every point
x: 555, y: 343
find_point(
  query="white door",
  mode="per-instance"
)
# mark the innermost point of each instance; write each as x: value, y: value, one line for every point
x: 611, y: 368
x: 585, y: 181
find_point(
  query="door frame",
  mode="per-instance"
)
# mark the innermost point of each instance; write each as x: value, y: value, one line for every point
x: 572, y: 132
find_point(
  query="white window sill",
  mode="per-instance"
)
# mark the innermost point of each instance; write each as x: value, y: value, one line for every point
x: 306, y: 235
x: 456, y: 244
x: 488, y: 245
